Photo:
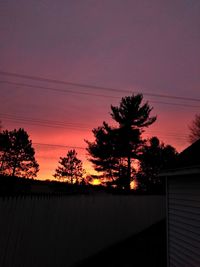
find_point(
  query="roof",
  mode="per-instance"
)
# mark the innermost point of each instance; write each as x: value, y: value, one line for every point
x: 190, y: 156
x: 188, y: 162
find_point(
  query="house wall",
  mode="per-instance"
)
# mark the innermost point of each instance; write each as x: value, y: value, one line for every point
x: 184, y: 221
x: 60, y: 231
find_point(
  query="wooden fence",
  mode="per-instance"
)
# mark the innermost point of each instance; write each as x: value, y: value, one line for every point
x: 61, y: 230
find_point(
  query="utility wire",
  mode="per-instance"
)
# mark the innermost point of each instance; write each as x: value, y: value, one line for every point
x: 43, y: 125
x: 38, y: 78
x: 73, y: 126
x: 68, y: 91
x: 57, y: 145
x: 55, y: 89
x: 34, y: 122
x: 44, y: 122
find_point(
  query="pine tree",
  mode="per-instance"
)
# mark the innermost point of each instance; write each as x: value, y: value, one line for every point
x: 114, y: 148
x: 153, y: 158
x: 17, y: 156
x: 103, y: 151
x: 70, y: 169
x: 132, y: 117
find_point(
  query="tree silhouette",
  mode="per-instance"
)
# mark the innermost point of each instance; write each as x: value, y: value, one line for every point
x: 17, y: 156
x: 70, y: 169
x: 115, y: 147
x: 106, y: 153
x: 154, y: 157
x: 195, y: 129
x: 103, y: 151
x: 132, y: 117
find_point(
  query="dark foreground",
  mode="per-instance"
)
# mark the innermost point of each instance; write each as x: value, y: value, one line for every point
x: 145, y: 249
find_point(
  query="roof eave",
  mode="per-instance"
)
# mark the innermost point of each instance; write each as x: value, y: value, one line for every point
x: 181, y: 171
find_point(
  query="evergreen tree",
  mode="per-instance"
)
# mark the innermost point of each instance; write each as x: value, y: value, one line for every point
x: 154, y: 157
x: 70, y: 169
x: 115, y: 147
x: 17, y: 156
x: 132, y: 117
x: 103, y: 151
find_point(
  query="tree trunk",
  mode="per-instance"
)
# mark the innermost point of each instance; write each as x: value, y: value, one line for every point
x: 2, y: 162
x: 14, y: 169
x: 128, y: 180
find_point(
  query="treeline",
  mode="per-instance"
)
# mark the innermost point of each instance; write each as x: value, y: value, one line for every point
x: 14, y: 186
x: 119, y: 152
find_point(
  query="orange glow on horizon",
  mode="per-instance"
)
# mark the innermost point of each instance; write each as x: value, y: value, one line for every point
x: 48, y: 157
x: 95, y: 182
x: 133, y: 185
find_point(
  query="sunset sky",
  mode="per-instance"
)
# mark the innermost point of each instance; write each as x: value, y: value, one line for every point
x: 150, y: 47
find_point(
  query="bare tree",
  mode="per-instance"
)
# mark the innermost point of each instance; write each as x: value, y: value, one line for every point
x: 195, y: 129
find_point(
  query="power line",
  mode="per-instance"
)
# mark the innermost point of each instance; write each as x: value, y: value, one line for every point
x: 43, y: 125
x: 53, y: 122
x: 163, y: 132
x: 56, y: 89
x: 183, y: 137
x: 44, y: 121
x: 73, y: 126
x: 58, y: 145
x: 63, y: 146
x: 174, y: 104
x: 56, y: 157
x: 68, y: 91
x: 38, y: 78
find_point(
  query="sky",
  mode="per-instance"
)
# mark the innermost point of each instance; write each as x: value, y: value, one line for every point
x: 150, y: 47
